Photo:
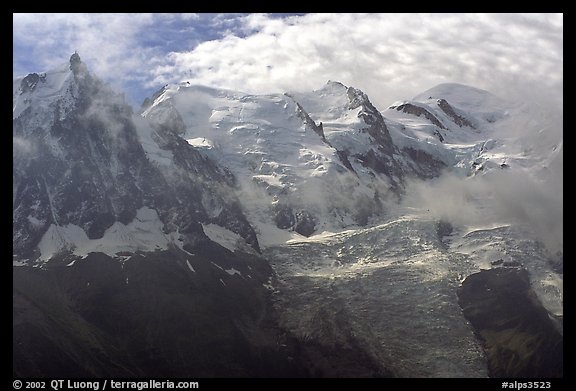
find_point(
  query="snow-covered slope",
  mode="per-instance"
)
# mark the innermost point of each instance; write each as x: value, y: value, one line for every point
x: 409, y: 258
x: 257, y: 136
x: 302, y: 163
x: 472, y: 131
x: 344, y: 127
x: 307, y: 162
x: 453, y: 122
x: 262, y: 140
x: 43, y: 90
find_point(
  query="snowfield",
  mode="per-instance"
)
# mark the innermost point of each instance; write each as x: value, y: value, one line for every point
x: 144, y: 233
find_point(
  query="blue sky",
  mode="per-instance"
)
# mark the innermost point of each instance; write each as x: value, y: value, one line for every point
x: 389, y: 56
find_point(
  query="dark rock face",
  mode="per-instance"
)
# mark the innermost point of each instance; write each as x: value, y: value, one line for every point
x: 169, y: 314
x: 96, y: 173
x: 449, y: 110
x: 439, y: 135
x: 77, y: 66
x: 203, y: 189
x: 372, y: 117
x: 28, y: 84
x: 151, y: 316
x: 443, y: 229
x: 375, y: 162
x: 300, y: 221
x: 409, y: 108
x: 343, y: 156
x: 309, y: 122
x: 305, y: 223
x: 283, y: 216
x: 424, y: 164
x: 381, y: 158
x: 334, y: 351
x: 75, y: 59
x: 519, y: 337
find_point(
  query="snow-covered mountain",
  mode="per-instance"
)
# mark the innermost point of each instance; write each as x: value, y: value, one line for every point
x: 306, y: 233
x: 304, y: 162
x: 87, y: 168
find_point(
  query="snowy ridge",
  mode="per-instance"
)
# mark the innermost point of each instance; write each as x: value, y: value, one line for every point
x: 472, y: 100
x: 342, y: 125
x: 244, y: 129
x: 82, y: 158
x: 288, y: 152
x: 465, y: 114
x: 302, y: 157
x: 44, y: 91
x: 474, y: 134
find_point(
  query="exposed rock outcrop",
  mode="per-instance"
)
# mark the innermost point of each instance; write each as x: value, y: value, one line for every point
x: 449, y: 110
x: 518, y: 334
x: 418, y: 111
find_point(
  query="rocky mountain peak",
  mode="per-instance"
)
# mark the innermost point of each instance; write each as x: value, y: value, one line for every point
x: 376, y: 125
x: 335, y: 84
x: 357, y: 98
x: 76, y: 65
x: 75, y: 58
x: 29, y: 83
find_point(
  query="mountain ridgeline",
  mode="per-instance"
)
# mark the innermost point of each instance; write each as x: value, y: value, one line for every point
x: 160, y: 242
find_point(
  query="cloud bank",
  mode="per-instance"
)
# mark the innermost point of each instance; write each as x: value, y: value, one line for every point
x: 389, y: 56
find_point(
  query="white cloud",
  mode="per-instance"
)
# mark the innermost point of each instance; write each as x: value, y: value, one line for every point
x: 500, y: 196
x: 389, y: 56
x: 116, y: 47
